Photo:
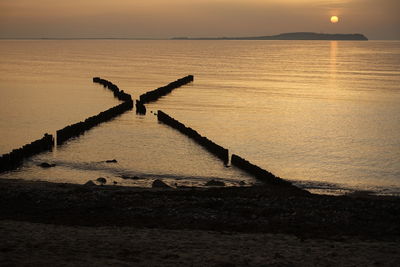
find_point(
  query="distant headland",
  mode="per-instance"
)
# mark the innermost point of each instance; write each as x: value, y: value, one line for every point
x: 289, y: 36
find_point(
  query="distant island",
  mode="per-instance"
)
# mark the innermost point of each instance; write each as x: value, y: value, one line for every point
x: 289, y: 36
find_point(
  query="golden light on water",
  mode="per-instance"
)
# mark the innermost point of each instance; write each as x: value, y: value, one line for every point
x: 334, y: 19
x: 333, y: 65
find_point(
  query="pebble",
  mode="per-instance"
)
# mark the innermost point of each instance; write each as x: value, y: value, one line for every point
x: 46, y: 165
x: 215, y: 183
x: 101, y: 180
x: 90, y: 183
x: 159, y: 184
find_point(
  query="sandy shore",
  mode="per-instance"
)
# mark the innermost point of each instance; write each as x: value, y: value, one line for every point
x: 61, y: 224
x: 42, y: 244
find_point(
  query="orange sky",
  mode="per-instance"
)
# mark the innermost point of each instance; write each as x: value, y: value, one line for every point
x: 377, y: 19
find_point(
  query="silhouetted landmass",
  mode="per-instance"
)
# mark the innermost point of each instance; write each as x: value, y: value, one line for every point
x: 282, y: 36
x: 289, y: 36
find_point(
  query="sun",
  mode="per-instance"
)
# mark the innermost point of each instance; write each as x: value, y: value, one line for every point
x: 334, y: 19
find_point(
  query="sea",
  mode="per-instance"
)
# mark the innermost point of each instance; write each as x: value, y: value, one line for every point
x: 324, y: 115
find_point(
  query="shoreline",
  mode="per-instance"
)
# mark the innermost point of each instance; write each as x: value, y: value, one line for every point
x: 69, y: 224
x: 263, y: 208
x: 314, y: 187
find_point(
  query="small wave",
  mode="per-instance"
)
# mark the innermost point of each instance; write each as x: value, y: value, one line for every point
x: 320, y: 187
x: 115, y: 170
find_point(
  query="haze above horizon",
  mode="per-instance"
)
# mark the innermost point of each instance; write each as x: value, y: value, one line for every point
x: 195, y: 18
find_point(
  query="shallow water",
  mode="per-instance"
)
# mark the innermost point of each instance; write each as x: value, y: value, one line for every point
x: 323, y: 114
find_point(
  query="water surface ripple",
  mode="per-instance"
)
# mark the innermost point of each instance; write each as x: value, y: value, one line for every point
x: 323, y: 114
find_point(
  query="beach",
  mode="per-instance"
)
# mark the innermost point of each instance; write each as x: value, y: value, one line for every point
x: 199, y: 133
x: 273, y: 225
x: 210, y: 214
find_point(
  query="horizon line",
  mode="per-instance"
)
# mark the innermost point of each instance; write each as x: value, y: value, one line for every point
x: 158, y: 39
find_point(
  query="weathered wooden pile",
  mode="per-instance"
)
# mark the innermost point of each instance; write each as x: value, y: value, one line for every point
x: 79, y: 128
x: 82, y: 126
x: 120, y: 94
x: 221, y: 152
x: 259, y: 173
x: 162, y: 91
x: 140, y: 108
x: 209, y: 145
x: 16, y: 157
x: 154, y: 95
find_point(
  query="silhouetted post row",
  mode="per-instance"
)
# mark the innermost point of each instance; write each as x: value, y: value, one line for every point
x: 140, y: 108
x: 259, y: 173
x: 162, y: 91
x: 157, y: 93
x: 120, y: 94
x: 82, y: 126
x: 209, y: 145
x: 16, y: 157
x: 223, y: 153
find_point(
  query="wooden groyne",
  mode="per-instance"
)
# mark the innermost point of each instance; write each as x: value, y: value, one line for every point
x: 82, y: 126
x: 140, y: 108
x: 120, y: 94
x: 16, y: 157
x: 209, y: 145
x: 162, y: 91
x: 223, y: 153
x: 259, y: 173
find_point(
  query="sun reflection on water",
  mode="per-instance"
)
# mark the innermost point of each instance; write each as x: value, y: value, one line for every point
x: 332, y: 61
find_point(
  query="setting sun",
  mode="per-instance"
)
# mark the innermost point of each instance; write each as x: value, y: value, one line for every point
x: 334, y: 19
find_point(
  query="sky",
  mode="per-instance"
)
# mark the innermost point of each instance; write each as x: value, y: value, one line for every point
x: 377, y: 19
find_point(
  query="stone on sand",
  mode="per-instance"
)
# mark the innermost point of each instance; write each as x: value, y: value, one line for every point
x: 159, y: 184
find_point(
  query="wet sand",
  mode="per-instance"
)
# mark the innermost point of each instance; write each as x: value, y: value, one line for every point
x: 63, y: 224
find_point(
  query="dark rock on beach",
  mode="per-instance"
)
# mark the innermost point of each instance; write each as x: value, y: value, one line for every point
x: 111, y: 161
x: 90, y: 183
x: 215, y: 183
x: 127, y: 177
x: 101, y: 180
x: 46, y: 165
x: 159, y: 184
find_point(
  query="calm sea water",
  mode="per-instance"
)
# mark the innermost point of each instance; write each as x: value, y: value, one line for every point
x: 325, y: 115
